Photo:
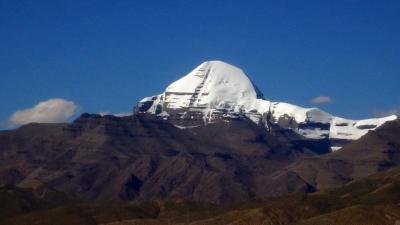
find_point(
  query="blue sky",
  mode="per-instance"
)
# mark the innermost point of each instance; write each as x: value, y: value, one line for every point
x: 106, y: 55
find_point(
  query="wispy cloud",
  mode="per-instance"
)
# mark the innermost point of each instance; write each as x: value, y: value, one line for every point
x: 322, y: 99
x: 50, y: 111
x: 385, y: 112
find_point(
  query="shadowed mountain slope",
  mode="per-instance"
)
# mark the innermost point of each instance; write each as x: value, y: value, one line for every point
x: 376, y: 151
x: 144, y: 157
x: 372, y: 200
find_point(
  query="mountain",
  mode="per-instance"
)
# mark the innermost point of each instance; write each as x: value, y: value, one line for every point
x: 210, y: 147
x: 376, y: 151
x: 216, y: 89
x: 372, y: 200
x: 146, y: 157
x: 210, y: 137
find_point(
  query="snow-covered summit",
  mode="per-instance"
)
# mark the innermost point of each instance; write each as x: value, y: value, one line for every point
x: 218, y: 89
x: 213, y: 84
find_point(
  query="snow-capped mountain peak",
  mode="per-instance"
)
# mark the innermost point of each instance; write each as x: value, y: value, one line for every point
x: 213, y: 84
x: 216, y: 89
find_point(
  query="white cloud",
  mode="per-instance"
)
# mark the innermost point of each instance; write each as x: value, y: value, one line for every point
x: 54, y: 110
x: 385, y: 112
x: 321, y: 100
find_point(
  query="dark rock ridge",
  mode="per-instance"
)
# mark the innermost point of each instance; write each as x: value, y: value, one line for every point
x: 144, y: 157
